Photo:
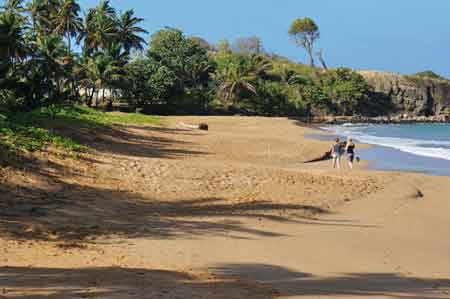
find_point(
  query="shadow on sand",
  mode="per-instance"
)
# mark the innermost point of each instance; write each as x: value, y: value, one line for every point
x: 236, y: 281
x: 77, y: 212
x: 288, y: 283
x: 116, y: 283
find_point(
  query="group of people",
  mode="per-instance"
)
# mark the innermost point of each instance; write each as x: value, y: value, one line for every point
x: 338, y: 149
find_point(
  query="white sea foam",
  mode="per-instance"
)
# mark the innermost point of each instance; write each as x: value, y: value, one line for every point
x: 428, y: 148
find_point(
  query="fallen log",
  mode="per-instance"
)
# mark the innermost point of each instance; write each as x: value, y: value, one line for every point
x: 327, y: 155
x: 201, y: 126
x: 324, y: 157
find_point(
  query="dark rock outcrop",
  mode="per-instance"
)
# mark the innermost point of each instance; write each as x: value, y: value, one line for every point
x: 411, y: 96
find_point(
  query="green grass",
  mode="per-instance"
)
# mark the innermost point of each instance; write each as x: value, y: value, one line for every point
x: 32, y: 131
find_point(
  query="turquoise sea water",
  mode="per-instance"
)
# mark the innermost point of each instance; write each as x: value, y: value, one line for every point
x: 417, y: 147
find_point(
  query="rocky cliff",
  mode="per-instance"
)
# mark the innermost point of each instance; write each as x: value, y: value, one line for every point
x: 411, y: 95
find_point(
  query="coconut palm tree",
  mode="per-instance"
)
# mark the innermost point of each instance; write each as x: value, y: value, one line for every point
x: 14, y: 6
x: 100, y: 28
x: 103, y: 71
x: 234, y: 78
x: 68, y: 23
x: 260, y: 65
x: 43, y: 13
x: 51, y: 53
x: 129, y: 31
x: 105, y: 8
x: 12, y: 46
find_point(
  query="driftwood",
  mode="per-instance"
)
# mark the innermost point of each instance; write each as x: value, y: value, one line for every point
x: 327, y: 155
x: 201, y: 126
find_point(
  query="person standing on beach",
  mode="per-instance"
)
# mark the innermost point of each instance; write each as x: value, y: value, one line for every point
x: 350, y: 151
x: 336, y: 154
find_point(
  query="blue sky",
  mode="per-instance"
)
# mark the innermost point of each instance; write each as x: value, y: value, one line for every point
x: 404, y: 36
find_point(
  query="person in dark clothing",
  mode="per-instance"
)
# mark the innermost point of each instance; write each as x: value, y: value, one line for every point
x: 350, y: 151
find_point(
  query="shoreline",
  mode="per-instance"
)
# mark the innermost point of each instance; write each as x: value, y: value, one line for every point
x: 340, y: 120
x: 370, y: 152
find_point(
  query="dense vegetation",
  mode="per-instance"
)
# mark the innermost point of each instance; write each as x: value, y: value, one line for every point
x: 52, y: 53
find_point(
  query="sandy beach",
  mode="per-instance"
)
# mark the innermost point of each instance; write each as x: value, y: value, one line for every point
x: 233, y: 212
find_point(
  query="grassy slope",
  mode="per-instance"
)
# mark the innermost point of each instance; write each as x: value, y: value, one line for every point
x: 32, y: 131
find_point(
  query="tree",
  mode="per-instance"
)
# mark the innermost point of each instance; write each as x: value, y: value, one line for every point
x: 319, y: 55
x: 128, y: 32
x: 12, y: 46
x: 43, y: 14
x: 348, y: 91
x: 138, y: 73
x: 233, y: 75
x: 248, y: 45
x: 201, y: 42
x: 51, y: 52
x: 185, y: 58
x: 100, y: 28
x: 68, y: 23
x: 223, y: 47
x: 305, y: 32
x: 313, y: 97
x: 13, y: 6
x: 102, y: 71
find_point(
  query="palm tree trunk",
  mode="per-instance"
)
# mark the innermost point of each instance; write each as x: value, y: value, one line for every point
x: 69, y: 44
x: 97, y: 98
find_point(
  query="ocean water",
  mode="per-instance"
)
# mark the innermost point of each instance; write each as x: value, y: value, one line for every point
x: 411, y: 147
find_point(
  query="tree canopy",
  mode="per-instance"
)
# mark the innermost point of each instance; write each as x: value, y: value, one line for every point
x: 305, y: 32
x: 115, y: 61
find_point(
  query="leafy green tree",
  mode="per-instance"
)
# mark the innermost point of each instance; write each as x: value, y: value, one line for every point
x: 138, y: 73
x: 185, y: 58
x: 272, y: 99
x: 313, y: 98
x: 201, y: 42
x: 305, y: 32
x: 348, y: 91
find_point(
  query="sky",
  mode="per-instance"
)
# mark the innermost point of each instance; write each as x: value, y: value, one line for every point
x: 404, y: 36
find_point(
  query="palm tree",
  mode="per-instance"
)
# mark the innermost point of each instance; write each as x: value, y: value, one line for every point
x: 100, y: 28
x: 105, y: 8
x: 68, y: 22
x: 129, y: 31
x: 234, y: 78
x: 51, y: 52
x: 260, y: 65
x: 14, y: 6
x: 43, y: 14
x: 12, y: 46
x: 103, y: 71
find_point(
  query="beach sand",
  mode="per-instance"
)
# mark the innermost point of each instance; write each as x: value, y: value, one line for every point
x: 162, y: 212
